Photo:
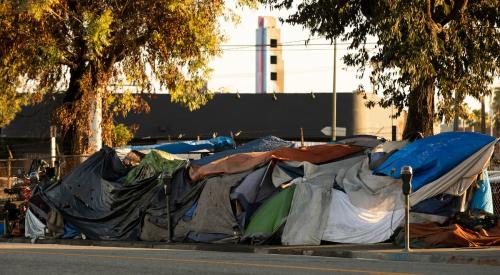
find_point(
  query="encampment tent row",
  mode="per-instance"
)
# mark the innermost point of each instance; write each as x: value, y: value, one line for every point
x: 269, y: 191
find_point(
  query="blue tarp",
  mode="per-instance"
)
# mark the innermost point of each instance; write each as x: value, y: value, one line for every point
x: 184, y: 147
x: 264, y: 144
x: 483, y: 198
x: 433, y: 156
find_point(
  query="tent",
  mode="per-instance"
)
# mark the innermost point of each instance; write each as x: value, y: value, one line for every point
x: 95, y: 203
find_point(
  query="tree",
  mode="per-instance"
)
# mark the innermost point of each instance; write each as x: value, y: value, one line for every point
x: 102, y: 54
x: 448, y: 46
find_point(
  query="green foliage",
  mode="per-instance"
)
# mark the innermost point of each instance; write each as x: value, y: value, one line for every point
x: 97, y: 31
x: 453, y: 46
x: 122, y: 135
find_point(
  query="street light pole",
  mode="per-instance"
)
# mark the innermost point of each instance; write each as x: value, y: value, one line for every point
x: 334, y: 95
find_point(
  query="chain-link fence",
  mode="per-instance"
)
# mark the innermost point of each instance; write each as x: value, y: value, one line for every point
x: 14, y: 171
x: 495, y: 190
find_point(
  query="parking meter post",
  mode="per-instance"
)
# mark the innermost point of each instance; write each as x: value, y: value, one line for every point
x: 406, y: 176
x: 407, y: 223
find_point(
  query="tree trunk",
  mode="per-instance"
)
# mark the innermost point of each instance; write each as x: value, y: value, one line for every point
x: 95, y: 122
x: 420, y: 118
x: 81, y: 115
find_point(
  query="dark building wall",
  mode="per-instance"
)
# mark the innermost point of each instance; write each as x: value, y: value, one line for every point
x: 255, y: 115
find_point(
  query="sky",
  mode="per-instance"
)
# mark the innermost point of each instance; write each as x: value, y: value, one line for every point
x: 307, y: 68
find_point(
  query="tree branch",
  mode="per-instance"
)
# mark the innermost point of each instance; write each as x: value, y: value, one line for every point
x: 457, y: 12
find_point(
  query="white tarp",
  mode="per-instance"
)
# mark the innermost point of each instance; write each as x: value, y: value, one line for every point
x: 350, y: 224
x: 34, y: 228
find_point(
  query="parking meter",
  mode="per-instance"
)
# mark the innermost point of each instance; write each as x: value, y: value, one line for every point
x: 406, y: 176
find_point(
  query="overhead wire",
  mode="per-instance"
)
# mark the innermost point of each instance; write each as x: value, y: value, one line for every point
x: 282, y: 46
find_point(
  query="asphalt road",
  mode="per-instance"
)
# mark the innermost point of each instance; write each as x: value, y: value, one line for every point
x: 60, y: 259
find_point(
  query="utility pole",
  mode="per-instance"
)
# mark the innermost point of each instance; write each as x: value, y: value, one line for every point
x: 490, y: 104
x: 334, y: 95
x: 483, y: 116
x: 456, y: 112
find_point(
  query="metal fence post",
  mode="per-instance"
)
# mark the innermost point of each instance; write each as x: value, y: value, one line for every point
x: 9, y: 168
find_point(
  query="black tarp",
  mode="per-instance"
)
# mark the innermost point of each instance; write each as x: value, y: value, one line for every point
x: 94, y: 202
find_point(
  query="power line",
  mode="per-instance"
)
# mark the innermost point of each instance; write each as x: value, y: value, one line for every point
x: 290, y: 45
x: 288, y: 50
x: 253, y: 45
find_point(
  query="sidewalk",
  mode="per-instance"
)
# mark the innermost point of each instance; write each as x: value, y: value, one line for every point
x: 387, y: 252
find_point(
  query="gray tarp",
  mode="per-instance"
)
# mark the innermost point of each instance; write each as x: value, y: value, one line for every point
x: 309, y: 212
x: 368, y: 191
x: 253, y: 188
x: 311, y: 202
x: 213, y: 213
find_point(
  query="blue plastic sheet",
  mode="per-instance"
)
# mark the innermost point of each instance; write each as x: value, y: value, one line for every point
x: 184, y: 147
x: 483, y: 198
x: 264, y: 144
x: 433, y: 156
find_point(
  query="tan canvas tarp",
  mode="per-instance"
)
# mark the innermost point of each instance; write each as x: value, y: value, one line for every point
x: 245, y: 161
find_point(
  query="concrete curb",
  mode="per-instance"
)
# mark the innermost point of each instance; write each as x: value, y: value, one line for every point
x: 428, y: 257
x: 384, y: 252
